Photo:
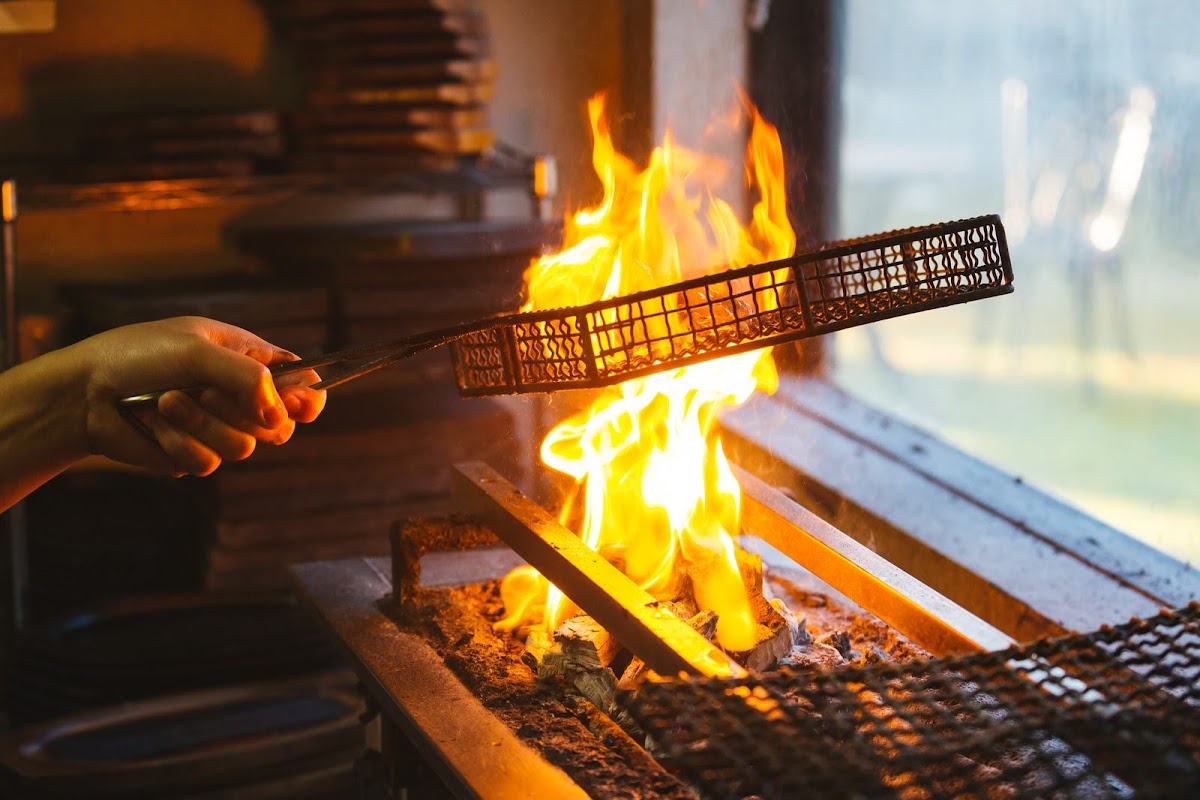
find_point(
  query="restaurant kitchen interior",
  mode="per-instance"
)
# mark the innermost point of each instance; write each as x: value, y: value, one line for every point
x: 601, y: 508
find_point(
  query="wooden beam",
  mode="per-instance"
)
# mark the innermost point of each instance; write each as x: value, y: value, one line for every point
x: 928, y: 618
x: 650, y: 631
x: 1127, y: 562
x: 1026, y: 586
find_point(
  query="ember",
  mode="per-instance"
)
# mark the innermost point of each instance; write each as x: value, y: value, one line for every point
x: 658, y: 497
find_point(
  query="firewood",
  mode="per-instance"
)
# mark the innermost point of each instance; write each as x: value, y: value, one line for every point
x: 413, y: 538
x: 553, y: 664
x: 599, y: 686
x: 751, y: 568
x: 798, y: 628
x: 776, y: 627
x: 567, y: 665
x: 684, y: 606
x: 774, y: 642
x: 705, y: 622
x: 628, y: 611
x: 632, y: 677
x: 536, y: 645
x: 585, y: 643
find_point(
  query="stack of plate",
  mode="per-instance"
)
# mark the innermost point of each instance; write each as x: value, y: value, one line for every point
x: 389, y: 84
x: 183, y: 145
x: 291, y: 315
x: 137, y: 648
x: 293, y: 739
x: 102, y: 534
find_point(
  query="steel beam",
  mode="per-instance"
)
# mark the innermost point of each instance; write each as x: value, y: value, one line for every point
x: 666, y: 643
x: 928, y: 618
x: 473, y: 753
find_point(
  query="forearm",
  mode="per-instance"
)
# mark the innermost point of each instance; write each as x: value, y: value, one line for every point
x: 42, y: 423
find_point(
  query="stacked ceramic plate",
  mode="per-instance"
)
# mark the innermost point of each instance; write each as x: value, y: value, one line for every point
x: 389, y: 84
x: 295, y: 739
x: 127, y: 650
x: 182, y: 145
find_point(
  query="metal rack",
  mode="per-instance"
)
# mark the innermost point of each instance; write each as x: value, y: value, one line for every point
x: 1110, y: 714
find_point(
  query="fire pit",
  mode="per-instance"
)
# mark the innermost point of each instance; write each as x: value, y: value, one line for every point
x: 420, y: 648
x: 639, y: 649
x: 463, y: 712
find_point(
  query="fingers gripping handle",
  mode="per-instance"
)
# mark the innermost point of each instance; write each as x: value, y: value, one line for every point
x: 384, y: 356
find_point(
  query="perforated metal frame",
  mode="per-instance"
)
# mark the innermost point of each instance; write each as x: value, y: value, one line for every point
x: 841, y: 285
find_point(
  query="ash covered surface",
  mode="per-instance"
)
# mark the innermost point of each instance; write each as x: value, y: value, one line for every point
x: 601, y: 759
x: 868, y: 640
x: 570, y: 732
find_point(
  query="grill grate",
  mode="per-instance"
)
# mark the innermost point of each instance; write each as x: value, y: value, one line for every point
x: 1111, y: 714
x: 843, y: 284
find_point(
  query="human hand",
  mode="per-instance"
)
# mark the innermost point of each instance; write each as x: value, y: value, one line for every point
x: 240, y: 407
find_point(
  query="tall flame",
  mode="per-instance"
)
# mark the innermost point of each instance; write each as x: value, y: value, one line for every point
x: 658, y: 493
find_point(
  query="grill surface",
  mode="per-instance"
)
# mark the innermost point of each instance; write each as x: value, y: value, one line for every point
x: 843, y: 284
x: 1115, y: 713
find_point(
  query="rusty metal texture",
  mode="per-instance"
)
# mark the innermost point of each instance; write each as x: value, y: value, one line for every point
x: 1110, y: 714
x: 838, y: 286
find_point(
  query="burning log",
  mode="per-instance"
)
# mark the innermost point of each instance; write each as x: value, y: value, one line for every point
x: 705, y: 622
x: 586, y: 643
x: 774, y: 642
x: 632, y: 677
x: 773, y: 631
x: 598, y: 686
x: 665, y: 642
x: 579, y: 655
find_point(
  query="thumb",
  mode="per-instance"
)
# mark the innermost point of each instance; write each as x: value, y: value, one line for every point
x: 245, y: 378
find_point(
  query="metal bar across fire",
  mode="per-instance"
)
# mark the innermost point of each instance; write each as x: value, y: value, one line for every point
x: 669, y: 645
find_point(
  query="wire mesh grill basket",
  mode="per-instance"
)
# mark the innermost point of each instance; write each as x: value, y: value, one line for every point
x: 1112, y: 714
x: 838, y: 286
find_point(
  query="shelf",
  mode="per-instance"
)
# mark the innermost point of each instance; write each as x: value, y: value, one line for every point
x: 161, y: 195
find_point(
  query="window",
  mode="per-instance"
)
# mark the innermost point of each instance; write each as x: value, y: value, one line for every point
x: 1080, y: 122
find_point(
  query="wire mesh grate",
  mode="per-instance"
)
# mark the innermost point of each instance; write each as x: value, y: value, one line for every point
x: 1111, y: 714
x: 842, y: 284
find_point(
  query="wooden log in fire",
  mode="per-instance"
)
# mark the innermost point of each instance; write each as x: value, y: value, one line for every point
x: 580, y: 655
x: 666, y: 643
x: 773, y: 630
x: 588, y: 644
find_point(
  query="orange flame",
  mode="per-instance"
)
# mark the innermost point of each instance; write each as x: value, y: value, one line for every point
x: 659, y: 496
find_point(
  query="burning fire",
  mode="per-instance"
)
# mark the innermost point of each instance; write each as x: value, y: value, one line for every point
x: 659, y: 498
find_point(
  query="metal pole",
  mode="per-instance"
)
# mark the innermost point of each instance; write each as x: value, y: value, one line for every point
x: 8, y: 215
x: 13, y: 561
